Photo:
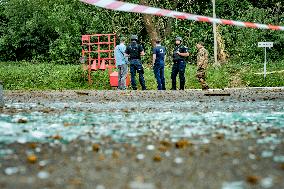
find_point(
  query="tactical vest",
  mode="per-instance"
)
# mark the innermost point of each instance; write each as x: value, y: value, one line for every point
x: 177, y: 57
x: 134, y: 51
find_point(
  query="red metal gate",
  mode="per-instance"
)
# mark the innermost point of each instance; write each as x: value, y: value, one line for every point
x: 98, y: 51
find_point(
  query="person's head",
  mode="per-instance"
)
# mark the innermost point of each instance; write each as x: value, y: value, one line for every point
x: 134, y: 38
x: 122, y: 40
x: 158, y: 41
x: 178, y: 40
x: 199, y: 45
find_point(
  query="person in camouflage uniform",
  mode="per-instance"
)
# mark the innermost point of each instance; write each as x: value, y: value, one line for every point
x: 202, y: 62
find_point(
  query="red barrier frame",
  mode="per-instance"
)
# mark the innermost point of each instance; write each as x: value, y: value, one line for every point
x: 98, y: 44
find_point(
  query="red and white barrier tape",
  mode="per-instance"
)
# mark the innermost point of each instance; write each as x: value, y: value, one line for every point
x: 130, y: 7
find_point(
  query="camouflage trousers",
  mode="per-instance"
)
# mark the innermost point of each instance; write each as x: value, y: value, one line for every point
x: 201, y: 77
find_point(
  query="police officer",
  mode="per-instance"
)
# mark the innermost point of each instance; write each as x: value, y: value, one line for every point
x: 159, y: 53
x: 179, y: 54
x: 134, y: 51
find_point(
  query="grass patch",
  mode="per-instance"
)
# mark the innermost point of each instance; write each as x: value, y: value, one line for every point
x: 273, y: 80
x: 46, y: 76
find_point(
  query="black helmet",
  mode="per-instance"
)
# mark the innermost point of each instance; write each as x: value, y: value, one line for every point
x: 134, y: 38
x: 179, y: 39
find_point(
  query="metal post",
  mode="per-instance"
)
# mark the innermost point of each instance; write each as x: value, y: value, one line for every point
x: 215, y: 34
x: 264, y: 63
x: 1, y: 95
x: 265, y: 45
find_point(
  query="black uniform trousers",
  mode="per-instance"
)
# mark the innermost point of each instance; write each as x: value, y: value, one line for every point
x: 178, y: 68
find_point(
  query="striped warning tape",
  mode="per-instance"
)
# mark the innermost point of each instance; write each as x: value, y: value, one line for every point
x: 130, y: 7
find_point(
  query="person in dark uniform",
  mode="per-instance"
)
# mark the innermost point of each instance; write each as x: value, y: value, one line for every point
x: 179, y: 54
x: 134, y: 51
x: 159, y: 53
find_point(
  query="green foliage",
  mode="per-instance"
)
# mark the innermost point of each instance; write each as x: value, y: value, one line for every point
x: 242, y: 42
x: 50, y: 30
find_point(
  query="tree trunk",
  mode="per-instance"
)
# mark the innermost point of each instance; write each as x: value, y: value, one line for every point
x: 222, y: 54
x: 169, y: 26
x: 150, y: 24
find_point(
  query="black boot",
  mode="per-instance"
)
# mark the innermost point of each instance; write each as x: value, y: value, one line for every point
x: 174, y: 87
x: 205, y: 87
x: 181, y: 87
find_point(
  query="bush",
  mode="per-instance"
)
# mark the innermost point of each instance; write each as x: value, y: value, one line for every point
x: 45, y: 30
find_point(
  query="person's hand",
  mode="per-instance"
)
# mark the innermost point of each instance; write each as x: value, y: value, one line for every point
x: 178, y: 52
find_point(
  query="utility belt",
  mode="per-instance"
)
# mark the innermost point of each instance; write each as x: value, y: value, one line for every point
x: 178, y: 60
x: 135, y: 61
x: 135, y: 58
